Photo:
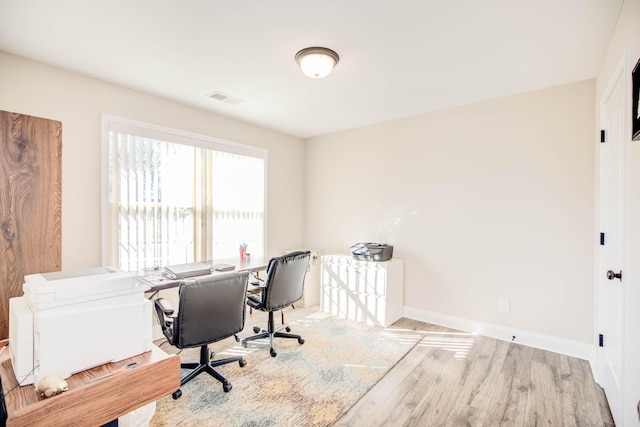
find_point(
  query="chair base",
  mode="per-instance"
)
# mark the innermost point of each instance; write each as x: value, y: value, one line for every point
x: 207, y: 365
x: 272, y: 333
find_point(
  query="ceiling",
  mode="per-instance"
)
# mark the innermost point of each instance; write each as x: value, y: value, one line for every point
x: 397, y: 59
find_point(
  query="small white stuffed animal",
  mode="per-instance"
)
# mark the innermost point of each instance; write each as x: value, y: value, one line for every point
x: 51, y: 384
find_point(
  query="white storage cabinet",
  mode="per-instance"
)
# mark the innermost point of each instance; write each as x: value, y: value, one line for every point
x: 365, y: 291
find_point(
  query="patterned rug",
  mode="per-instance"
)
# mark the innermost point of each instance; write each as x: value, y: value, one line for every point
x: 312, y: 384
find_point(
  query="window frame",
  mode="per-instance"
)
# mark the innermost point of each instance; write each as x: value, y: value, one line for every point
x: 119, y: 124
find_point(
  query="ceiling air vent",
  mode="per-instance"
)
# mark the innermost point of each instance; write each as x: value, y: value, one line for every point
x: 219, y: 96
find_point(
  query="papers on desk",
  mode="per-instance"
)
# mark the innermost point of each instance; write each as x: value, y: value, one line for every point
x: 183, y: 271
x: 223, y: 267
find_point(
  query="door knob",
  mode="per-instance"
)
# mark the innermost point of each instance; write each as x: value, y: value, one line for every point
x: 611, y: 275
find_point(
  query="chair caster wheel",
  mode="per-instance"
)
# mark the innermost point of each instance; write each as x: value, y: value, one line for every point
x: 256, y: 330
x: 288, y: 329
x: 242, y: 363
x: 176, y: 394
x: 273, y: 353
x: 243, y: 343
x: 300, y: 340
x: 226, y: 387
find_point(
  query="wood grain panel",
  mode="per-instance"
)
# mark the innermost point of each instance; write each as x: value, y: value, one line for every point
x: 92, y: 403
x: 30, y: 202
x: 508, y: 401
x: 487, y: 357
x: 544, y: 404
x: 471, y: 380
x: 376, y: 407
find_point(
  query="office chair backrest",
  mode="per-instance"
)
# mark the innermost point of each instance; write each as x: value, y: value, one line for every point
x: 210, y: 309
x: 285, y: 280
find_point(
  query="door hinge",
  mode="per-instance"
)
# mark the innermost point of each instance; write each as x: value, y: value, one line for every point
x: 600, y: 340
x: 602, y: 135
x: 601, y: 239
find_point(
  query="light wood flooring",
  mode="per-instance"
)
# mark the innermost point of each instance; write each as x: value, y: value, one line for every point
x: 452, y: 378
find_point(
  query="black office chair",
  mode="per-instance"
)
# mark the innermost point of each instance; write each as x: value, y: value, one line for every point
x: 211, y: 309
x: 283, y: 286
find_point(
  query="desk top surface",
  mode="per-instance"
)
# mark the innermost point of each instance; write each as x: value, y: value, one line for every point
x: 157, y: 281
x: 92, y: 403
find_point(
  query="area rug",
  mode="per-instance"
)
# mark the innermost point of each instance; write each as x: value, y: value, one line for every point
x: 312, y: 384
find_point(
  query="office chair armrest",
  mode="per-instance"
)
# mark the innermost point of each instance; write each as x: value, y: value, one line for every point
x: 256, y: 282
x: 254, y: 302
x: 255, y: 279
x: 165, y: 306
x: 255, y: 288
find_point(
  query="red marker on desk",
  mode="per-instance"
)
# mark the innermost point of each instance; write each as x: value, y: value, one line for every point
x: 117, y: 371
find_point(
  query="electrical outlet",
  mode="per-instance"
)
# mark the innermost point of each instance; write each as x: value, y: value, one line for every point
x: 503, y: 304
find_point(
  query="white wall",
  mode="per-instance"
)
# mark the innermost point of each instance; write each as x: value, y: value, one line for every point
x: 626, y: 41
x: 78, y: 102
x: 488, y: 201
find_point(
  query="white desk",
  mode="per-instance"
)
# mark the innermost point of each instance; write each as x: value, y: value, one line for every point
x: 157, y: 281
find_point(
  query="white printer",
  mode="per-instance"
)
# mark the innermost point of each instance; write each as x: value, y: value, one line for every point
x: 68, y: 322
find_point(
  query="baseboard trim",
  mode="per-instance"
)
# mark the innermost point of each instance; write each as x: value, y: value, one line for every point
x: 531, y: 339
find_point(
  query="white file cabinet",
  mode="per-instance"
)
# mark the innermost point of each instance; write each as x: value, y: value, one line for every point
x: 365, y: 291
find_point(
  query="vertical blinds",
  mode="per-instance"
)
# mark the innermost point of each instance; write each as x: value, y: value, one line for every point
x: 176, y: 199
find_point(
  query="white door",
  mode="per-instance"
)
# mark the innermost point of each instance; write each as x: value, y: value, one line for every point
x: 612, y: 224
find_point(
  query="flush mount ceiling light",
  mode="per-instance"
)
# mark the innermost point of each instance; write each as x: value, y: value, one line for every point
x: 317, y: 62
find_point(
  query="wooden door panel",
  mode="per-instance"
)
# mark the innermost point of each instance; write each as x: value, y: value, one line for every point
x: 30, y: 202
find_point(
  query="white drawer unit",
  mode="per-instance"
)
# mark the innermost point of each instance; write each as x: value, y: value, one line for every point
x: 365, y: 291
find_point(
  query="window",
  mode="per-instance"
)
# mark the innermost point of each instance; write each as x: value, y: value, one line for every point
x: 174, y: 198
